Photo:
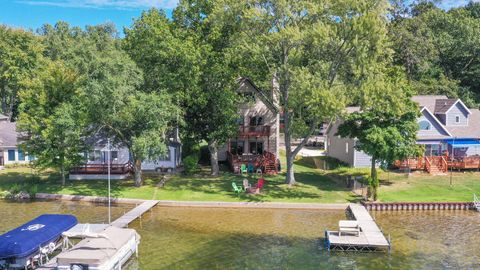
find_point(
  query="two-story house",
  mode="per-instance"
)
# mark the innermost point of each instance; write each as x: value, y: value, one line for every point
x: 257, y: 141
x: 449, y: 130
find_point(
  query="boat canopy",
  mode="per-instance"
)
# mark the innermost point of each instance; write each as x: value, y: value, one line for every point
x: 27, y: 239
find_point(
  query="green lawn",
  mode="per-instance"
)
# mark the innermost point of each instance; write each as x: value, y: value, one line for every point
x: 313, y: 185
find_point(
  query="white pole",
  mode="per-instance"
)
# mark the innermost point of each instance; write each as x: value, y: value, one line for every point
x: 108, y: 166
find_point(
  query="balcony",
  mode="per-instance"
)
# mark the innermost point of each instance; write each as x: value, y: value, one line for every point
x: 254, y: 131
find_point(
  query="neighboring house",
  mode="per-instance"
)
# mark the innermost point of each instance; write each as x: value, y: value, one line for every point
x: 258, y: 137
x: 96, y: 161
x: 9, y: 152
x: 449, y: 130
x: 344, y: 149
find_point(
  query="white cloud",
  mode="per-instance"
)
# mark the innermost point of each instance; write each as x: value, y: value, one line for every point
x: 117, y: 4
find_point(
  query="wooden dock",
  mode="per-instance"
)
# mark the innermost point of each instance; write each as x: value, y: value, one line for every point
x: 370, y: 237
x: 123, y: 221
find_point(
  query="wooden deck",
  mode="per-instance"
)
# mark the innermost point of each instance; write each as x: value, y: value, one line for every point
x: 370, y: 238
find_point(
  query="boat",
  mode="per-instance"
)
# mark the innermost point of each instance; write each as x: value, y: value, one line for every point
x: 108, y: 249
x: 30, y: 244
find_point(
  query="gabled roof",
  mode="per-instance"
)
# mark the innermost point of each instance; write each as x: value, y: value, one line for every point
x: 443, y: 105
x: 264, y: 98
x: 461, y: 103
x: 8, y: 134
x: 436, y: 120
x: 428, y: 101
x: 470, y: 131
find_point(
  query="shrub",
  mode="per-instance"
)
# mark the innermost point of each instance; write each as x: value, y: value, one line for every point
x: 190, y: 163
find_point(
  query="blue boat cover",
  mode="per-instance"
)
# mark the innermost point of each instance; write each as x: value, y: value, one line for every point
x: 27, y: 239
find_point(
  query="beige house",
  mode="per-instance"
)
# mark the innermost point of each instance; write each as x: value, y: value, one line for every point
x: 256, y: 144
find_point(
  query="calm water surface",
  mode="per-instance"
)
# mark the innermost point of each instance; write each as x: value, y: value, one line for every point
x: 213, y: 238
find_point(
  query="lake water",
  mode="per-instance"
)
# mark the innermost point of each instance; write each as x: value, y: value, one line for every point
x: 214, y: 238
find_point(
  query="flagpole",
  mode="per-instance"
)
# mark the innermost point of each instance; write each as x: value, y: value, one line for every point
x: 108, y: 166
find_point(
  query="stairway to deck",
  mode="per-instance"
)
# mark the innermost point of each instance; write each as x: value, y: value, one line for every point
x: 270, y: 167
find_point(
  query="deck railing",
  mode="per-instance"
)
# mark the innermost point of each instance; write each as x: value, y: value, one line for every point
x: 428, y: 164
x: 103, y: 169
x: 262, y: 130
x: 258, y: 161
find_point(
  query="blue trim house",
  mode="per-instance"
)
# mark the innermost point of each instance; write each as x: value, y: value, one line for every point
x: 446, y: 127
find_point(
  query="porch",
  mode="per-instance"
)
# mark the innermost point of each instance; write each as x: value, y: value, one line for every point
x: 99, y: 169
x: 435, y: 164
x: 266, y: 162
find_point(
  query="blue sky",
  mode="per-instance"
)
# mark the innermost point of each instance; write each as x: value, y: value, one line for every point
x: 32, y: 14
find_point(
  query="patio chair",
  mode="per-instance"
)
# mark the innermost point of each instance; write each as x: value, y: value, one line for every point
x: 250, y: 168
x: 243, y: 169
x: 246, y: 185
x: 259, y: 186
x: 236, y: 189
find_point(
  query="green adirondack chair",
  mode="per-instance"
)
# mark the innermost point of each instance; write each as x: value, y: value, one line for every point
x: 236, y: 189
x: 243, y: 169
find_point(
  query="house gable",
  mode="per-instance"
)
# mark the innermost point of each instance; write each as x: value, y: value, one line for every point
x: 457, y: 115
x: 430, y: 126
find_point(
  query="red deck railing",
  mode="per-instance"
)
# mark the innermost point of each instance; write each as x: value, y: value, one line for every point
x: 103, y: 169
x: 442, y: 162
x: 253, y: 131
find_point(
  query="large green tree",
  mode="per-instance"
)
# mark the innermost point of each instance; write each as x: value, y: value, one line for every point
x: 213, y: 115
x: 52, y: 118
x: 115, y: 101
x: 317, y: 50
x: 20, y: 58
x: 188, y: 57
x: 386, y: 125
x: 439, y: 49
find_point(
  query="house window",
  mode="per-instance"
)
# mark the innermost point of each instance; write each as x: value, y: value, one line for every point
x: 31, y: 157
x: 424, y: 125
x: 114, y: 155
x: 21, y: 155
x: 256, y: 121
x: 236, y: 148
x: 346, y: 147
x: 256, y: 148
x: 11, y: 155
x: 95, y: 155
x: 457, y: 119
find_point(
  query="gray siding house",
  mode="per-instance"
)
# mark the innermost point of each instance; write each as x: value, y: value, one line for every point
x: 446, y: 127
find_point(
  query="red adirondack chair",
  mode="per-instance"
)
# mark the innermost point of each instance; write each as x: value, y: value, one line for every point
x: 258, y: 187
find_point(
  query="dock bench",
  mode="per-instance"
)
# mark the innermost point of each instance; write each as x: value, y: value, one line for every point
x: 348, y: 227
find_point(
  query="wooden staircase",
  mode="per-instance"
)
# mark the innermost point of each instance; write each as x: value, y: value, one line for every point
x: 270, y: 163
x: 436, y: 165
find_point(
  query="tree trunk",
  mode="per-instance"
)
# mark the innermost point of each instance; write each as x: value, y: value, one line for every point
x: 137, y: 171
x: 213, y: 148
x: 62, y: 173
x: 374, y: 184
x: 290, y: 177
